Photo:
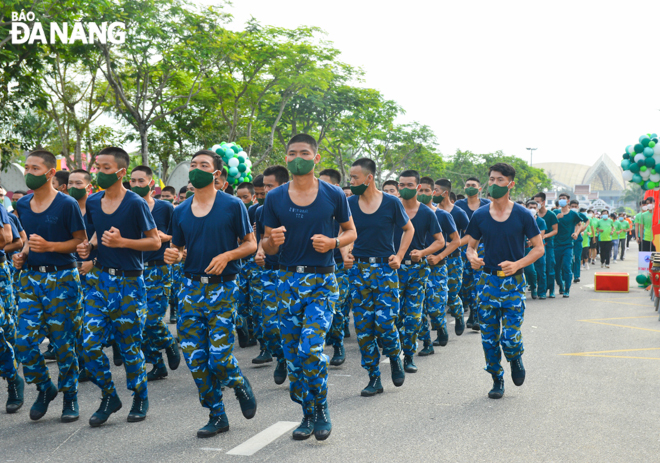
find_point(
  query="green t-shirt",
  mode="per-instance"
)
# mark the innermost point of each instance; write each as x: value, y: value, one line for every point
x: 586, y: 237
x: 622, y: 226
x: 646, y: 221
x: 593, y: 222
x: 606, y: 225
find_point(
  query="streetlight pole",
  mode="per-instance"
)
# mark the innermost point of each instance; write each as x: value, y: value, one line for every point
x: 531, y: 154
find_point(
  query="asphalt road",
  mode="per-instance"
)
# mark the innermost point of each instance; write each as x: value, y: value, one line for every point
x: 590, y: 395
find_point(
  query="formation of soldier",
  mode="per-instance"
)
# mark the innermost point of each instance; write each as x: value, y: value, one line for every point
x: 280, y: 264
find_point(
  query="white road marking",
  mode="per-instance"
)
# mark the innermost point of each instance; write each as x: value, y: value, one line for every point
x: 348, y: 376
x: 210, y: 449
x: 265, y: 437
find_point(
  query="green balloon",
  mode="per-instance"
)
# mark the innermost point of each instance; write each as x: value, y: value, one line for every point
x: 235, y: 148
x: 650, y: 162
x: 642, y: 169
x: 637, y: 178
x: 641, y: 279
x: 639, y: 148
x: 651, y: 144
x: 626, y: 156
x: 243, y: 167
x: 625, y: 164
x: 645, y: 142
x: 634, y: 168
x: 640, y: 162
x: 241, y: 158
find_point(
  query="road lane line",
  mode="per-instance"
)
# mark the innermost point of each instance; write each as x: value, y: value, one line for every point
x: 265, y: 437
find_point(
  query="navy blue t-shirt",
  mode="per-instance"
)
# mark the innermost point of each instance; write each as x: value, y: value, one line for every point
x: 337, y: 254
x: 503, y: 241
x: 447, y: 225
x: 57, y: 224
x: 252, y: 213
x: 426, y: 225
x: 132, y: 218
x: 376, y: 231
x: 460, y: 219
x: 162, y: 214
x: 16, y: 221
x: 90, y: 232
x: 271, y: 259
x: 207, y: 237
x: 302, y: 223
x: 463, y: 204
x: 8, y: 219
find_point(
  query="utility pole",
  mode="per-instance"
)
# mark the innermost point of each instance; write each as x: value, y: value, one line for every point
x: 531, y: 154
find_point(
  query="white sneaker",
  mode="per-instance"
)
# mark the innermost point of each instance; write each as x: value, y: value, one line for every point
x: 602, y: 265
x: 587, y: 266
x: 607, y: 266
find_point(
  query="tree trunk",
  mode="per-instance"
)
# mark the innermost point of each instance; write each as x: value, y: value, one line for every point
x: 77, y: 154
x: 144, y: 145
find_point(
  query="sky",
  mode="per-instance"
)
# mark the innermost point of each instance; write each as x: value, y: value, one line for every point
x: 574, y: 79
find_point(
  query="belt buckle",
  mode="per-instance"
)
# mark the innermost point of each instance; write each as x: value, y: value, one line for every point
x: 372, y: 260
x: 42, y: 269
x: 300, y: 269
x: 501, y: 274
x: 204, y: 280
x: 112, y: 271
x: 407, y: 262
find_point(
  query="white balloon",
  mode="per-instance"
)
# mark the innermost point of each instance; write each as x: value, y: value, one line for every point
x: 656, y: 150
x: 233, y: 162
x: 248, y: 163
x: 646, y: 174
x: 215, y: 147
x: 640, y: 156
x: 655, y: 177
x: 627, y: 175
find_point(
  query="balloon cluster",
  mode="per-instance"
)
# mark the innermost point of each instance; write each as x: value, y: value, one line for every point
x: 641, y: 162
x: 237, y: 163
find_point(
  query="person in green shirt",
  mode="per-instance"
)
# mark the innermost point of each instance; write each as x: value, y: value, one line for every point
x: 645, y: 236
x: 593, y: 238
x: 586, y: 246
x: 623, y: 227
x: 604, y: 228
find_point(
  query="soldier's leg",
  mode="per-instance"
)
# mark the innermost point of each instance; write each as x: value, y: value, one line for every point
x: 362, y: 294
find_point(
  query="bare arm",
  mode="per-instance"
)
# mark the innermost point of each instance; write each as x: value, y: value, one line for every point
x: 555, y: 230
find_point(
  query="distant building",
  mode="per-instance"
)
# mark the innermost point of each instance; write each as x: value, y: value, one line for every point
x: 604, y: 176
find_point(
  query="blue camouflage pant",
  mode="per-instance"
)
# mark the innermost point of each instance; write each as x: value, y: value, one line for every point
x: 175, y: 277
x: 307, y: 306
x: 454, y: 279
x: 412, y: 285
x: 7, y: 303
x: 156, y: 336
x: 8, y: 367
x: 207, y: 315
x: 48, y: 305
x: 247, y: 307
x: 336, y: 334
x: 577, y: 258
x: 550, y: 267
x: 269, y: 317
x: 501, y: 316
x: 435, y: 302
x: 115, y: 306
x: 375, y: 295
x: 564, y: 265
x: 468, y: 286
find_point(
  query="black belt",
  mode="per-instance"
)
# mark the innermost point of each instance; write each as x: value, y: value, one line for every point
x: 50, y: 268
x: 439, y: 264
x: 3, y: 259
x: 456, y: 253
x: 500, y: 273
x: 119, y: 272
x: 409, y: 262
x: 212, y: 279
x: 155, y: 263
x: 308, y: 269
x: 373, y: 260
x: 268, y: 266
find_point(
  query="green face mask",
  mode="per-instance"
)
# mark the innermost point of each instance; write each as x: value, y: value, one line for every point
x: 35, y: 182
x: 407, y: 193
x: 141, y: 190
x: 200, y: 178
x: 497, y: 191
x: 438, y: 198
x: 261, y: 201
x: 189, y: 194
x: 169, y: 200
x: 247, y: 205
x: 424, y: 199
x: 300, y: 166
x: 360, y: 189
x: 105, y: 181
x: 13, y: 204
x: 77, y: 193
x: 471, y: 191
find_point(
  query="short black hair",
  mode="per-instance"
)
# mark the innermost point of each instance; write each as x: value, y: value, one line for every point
x: 258, y: 181
x: 46, y: 156
x: 650, y: 199
x: 303, y: 138
x: 452, y: 197
x: 366, y: 164
x: 169, y: 189
x: 391, y: 182
x: 474, y: 179
x: 246, y: 185
x: 460, y: 196
x: 519, y: 201
x: 62, y: 176
x: 183, y: 190
x: 127, y: 185
x: 410, y: 173
x: 217, y: 160
x: 20, y: 192
x: 566, y: 195
x: 531, y: 202
x: 280, y: 172
x: 146, y: 169
x: 121, y: 157
x: 229, y: 190
x: 503, y: 168
x: 224, y: 172
x: 541, y: 195
x: 346, y: 187
x: 574, y: 201
x: 427, y: 181
x: 613, y: 215
x: 590, y: 210
x: 582, y: 209
x: 334, y: 175
x: 444, y: 183
x: 86, y: 175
